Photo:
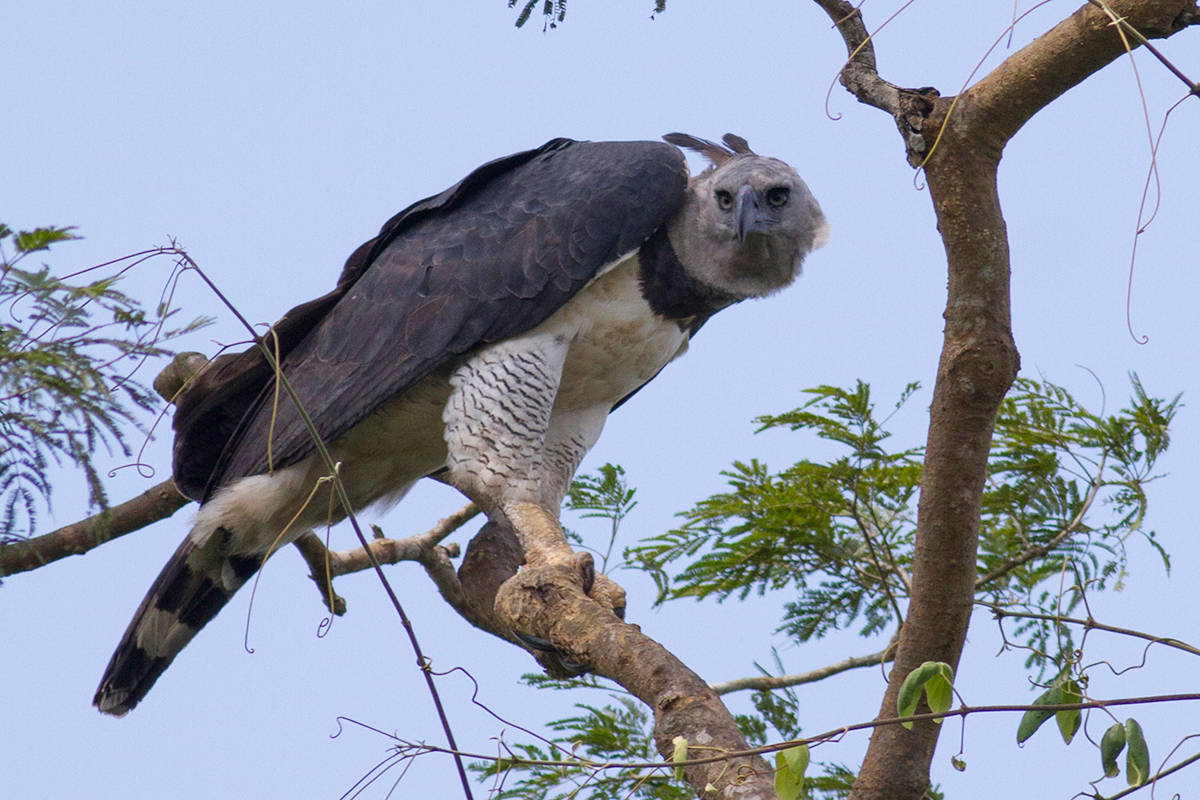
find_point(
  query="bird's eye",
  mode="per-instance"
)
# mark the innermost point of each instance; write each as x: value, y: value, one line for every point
x: 725, y: 200
x: 778, y: 197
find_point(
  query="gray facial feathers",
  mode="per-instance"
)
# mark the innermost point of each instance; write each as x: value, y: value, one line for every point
x: 747, y: 222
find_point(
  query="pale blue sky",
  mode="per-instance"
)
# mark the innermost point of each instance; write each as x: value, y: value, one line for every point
x: 270, y: 139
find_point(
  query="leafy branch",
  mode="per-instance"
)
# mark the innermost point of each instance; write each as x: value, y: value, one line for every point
x: 840, y: 535
x: 615, y: 738
x: 68, y: 350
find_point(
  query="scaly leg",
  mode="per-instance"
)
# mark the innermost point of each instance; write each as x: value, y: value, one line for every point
x: 513, y: 455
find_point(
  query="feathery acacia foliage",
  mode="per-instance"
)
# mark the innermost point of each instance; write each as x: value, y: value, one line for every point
x: 840, y: 534
x: 67, y: 351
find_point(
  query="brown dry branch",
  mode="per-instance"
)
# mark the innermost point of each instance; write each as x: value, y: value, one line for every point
x: 324, y: 565
x: 152, y: 505
x: 959, y: 140
x: 770, y: 682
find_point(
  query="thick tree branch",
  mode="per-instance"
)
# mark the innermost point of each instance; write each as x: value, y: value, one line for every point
x: 770, y: 682
x: 158, y: 502
x: 979, y: 359
x: 1087, y: 41
x: 548, y: 602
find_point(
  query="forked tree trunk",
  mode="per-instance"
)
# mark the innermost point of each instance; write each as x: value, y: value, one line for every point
x: 979, y: 358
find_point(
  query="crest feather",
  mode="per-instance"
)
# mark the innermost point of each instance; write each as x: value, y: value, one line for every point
x: 737, y: 144
x: 718, y: 155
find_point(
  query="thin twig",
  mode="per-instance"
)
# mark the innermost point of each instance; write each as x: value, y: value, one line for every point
x: 1090, y: 624
x: 769, y: 682
x: 833, y: 735
x: 883, y: 580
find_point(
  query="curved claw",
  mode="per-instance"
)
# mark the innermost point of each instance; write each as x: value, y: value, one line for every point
x: 535, y: 642
x: 587, y: 570
x: 542, y: 646
x: 609, y: 594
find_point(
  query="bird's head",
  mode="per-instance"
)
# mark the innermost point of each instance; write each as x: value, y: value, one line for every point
x: 748, y: 221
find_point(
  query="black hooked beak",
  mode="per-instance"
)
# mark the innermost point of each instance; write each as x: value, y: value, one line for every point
x: 746, y: 212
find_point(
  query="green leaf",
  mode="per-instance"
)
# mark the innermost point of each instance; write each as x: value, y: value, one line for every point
x: 680, y: 754
x: 1137, y: 757
x: 936, y: 679
x: 797, y: 759
x: 910, y: 690
x: 42, y: 238
x: 939, y: 690
x: 788, y: 785
x: 958, y: 763
x: 1111, y: 745
x: 1068, y: 721
x: 1033, y: 718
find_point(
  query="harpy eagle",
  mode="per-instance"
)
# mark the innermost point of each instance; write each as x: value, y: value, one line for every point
x: 483, y: 337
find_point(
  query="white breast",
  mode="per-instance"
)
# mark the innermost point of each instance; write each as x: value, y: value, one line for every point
x: 616, y: 342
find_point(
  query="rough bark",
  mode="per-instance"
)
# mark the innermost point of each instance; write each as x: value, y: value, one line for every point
x: 979, y: 358
x: 548, y: 602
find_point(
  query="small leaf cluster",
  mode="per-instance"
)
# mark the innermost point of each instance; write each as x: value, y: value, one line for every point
x: 1137, y: 757
x: 555, y: 11
x: 790, y: 766
x: 1067, y: 690
x: 933, y: 679
x: 68, y: 349
x: 1064, y: 691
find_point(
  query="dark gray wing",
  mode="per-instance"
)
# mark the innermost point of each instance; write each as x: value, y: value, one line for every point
x: 490, y: 258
